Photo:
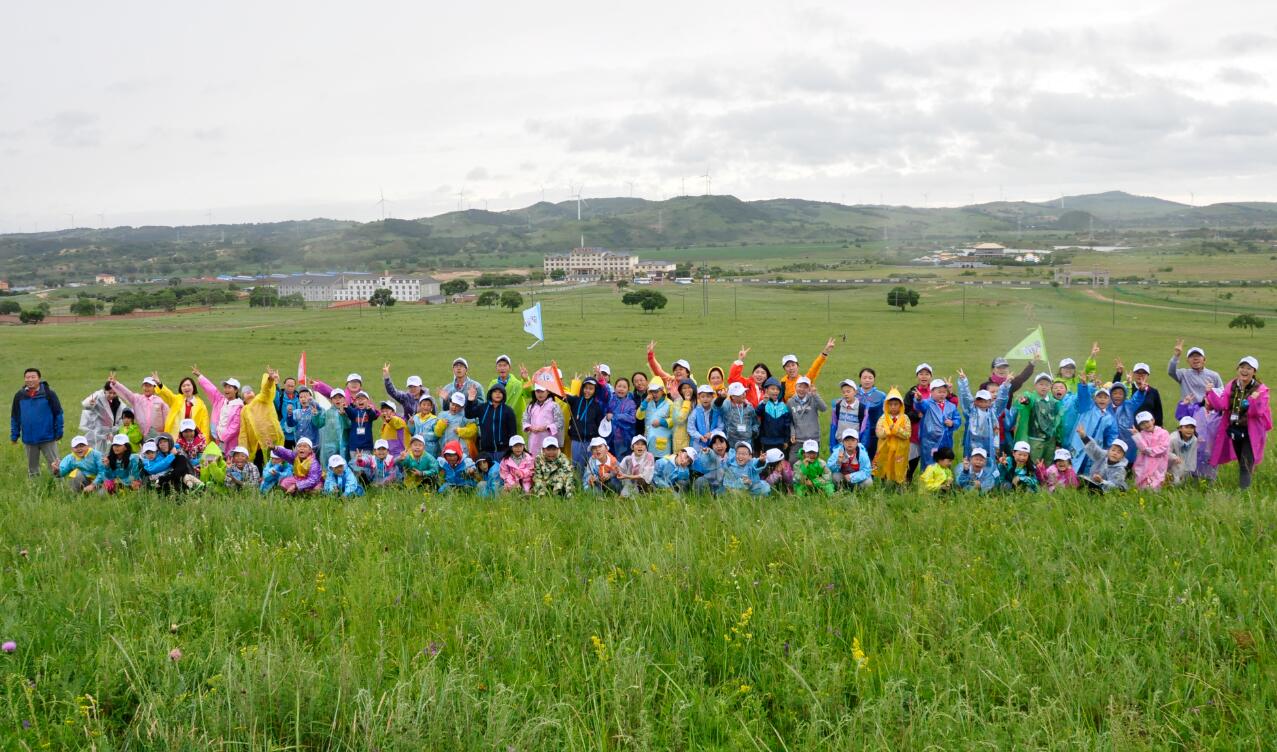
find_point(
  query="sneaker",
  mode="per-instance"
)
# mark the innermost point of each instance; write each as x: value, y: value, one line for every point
x: 193, y: 483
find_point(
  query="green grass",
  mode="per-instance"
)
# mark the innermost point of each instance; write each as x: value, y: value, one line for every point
x: 403, y: 621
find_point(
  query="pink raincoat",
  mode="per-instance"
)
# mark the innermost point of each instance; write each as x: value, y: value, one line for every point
x: 541, y: 415
x: 1259, y: 421
x: 224, y: 417
x: 1154, y: 456
x: 516, y: 472
x: 150, y: 413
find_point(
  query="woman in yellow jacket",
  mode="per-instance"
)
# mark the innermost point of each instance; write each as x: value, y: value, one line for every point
x: 891, y: 463
x: 258, y: 422
x: 182, y: 404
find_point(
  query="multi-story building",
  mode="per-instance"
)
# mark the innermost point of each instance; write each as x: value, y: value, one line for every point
x: 655, y: 269
x: 323, y: 288
x: 592, y: 263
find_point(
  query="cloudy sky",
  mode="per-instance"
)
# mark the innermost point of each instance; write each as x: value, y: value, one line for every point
x: 150, y: 112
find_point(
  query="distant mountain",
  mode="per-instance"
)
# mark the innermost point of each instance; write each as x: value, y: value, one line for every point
x: 479, y: 238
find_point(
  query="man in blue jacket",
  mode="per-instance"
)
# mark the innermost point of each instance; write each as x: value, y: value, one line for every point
x: 36, y: 418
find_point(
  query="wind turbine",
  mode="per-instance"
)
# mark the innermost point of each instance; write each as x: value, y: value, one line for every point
x: 461, y: 198
x: 630, y: 183
x: 382, y: 204
x: 706, y: 176
x: 579, y: 201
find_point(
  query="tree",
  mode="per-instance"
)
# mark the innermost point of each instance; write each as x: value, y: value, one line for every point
x: 381, y: 297
x: 123, y: 307
x: 899, y: 297
x: 84, y: 307
x: 296, y: 300
x: 167, y: 299
x: 8, y: 307
x: 1247, y: 321
x: 683, y: 270
x: 558, y: 275
x: 33, y: 316
x: 488, y: 299
x: 454, y: 287
x: 263, y: 296
x: 511, y: 299
x: 652, y: 301
x: 621, y: 284
x: 174, y: 281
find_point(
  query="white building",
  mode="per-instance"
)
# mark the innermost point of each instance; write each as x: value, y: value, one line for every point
x: 592, y: 263
x: 654, y: 269
x: 323, y: 288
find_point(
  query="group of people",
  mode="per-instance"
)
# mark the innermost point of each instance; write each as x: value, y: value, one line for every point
x: 735, y: 431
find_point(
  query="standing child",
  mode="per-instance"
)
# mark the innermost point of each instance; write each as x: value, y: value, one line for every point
x: 811, y: 475
x: 871, y: 405
x: 516, y: 468
x: 359, y: 438
x: 392, y: 428
x: 333, y: 427
x: 655, y: 412
x: 130, y: 429
x: 844, y: 413
x: 450, y: 425
x: 940, y: 420
x: 1093, y: 419
x: 1124, y: 408
x: 1038, y: 419
x: 1154, y: 444
x: 1183, y: 450
x: 805, y: 408
x: 681, y: 406
x: 982, y: 413
x: 301, y: 420
x: 739, y: 418
x: 1060, y: 473
x: 423, y: 425
x: 705, y: 417
x: 775, y: 421
x: 620, y: 410
x: 891, y: 463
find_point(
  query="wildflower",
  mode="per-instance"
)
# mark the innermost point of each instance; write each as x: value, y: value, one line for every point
x: 433, y: 649
x: 9, y: 646
x: 857, y: 653
x: 547, y: 599
x: 739, y: 630
x: 319, y: 582
x: 733, y: 544
x: 600, y: 648
x: 744, y: 689
x: 175, y: 655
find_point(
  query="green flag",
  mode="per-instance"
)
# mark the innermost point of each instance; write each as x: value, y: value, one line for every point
x: 1031, y: 347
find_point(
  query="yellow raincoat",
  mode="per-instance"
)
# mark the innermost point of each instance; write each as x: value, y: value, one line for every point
x: 258, y: 422
x: 177, y: 411
x: 892, y: 459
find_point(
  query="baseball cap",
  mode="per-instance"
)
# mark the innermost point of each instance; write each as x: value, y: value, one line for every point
x: 1142, y: 416
x: 1063, y: 454
x: 79, y: 441
x: 847, y: 382
x: 120, y: 440
x: 414, y: 381
x: 735, y: 389
x: 231, y: 382
x: 500, y: 358
x: 774, y: 455
x: 354, y: 377
x: 458, y: 398
x: 422, y: 439
x: 745, y: 444
x: 150, y: 446
x: 980, y: 451
x: 151, y: 381
x: 983, y: 394
x: 389, y: 404
x: 849, y: 433
x: 999, y: 362
x: 605, y: 368
x: 1120, y: 443
x: 937, y: 383
x: 790, y: 358
x: 1068, y: 362
x: 186, y: 425
x: 336, y: 461
x: 683, y: 363
x: 811, y: 445
x: 515, y: 439
x: 804, y: 380
x: 637, y: 439
x: 922, y: 367
x: 549, y: 441
x: 237, y: 450
x: 1044, y: 376
x: 598, y: 441
x: 381, y: 444
x: 1251, y: 361
x: 306, y: 441
x: 1197, y: 351
x: 654, y: 385
x: 1022, y: 446
x: 704, y: 389
x: 1188, y: 420
x: 462, y: 361
x: 1141, y: 367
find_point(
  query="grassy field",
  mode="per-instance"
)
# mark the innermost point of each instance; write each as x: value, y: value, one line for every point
x: 402, y: 621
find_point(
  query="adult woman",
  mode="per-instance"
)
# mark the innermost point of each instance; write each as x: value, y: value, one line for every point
x: 183, y: 405
x: 1247, y: 420
x: 101, y: 416
x: 754, y: 384
x: 260, y: 427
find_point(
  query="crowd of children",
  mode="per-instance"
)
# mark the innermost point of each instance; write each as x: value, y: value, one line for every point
x: 752, y: 432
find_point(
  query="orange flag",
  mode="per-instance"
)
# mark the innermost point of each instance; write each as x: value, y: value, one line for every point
x: 547, y: 378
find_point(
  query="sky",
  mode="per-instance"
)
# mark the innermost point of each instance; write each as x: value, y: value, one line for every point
x: 178, y: 113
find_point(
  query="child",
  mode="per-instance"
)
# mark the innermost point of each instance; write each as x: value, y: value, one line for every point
x: 552, y: 472
x: 451, y: 424
x: 1060, y: 473
x: 340, y: 480
x: 191, y: 441
x: 224, y: 418
x: 636, y: 470
x: 489, y: 476
x: 168, y: 468
x: 495, y: 422
x: 122, y: 469
x: 1124, y: 411
x: 423, y: 424
x: 417, y: 466
x: 673, y: 473
x: 359, y: 438
x: 1038, y: 419
x: 1093, y: 419
x: 213, y: 466
x: 811, y: 475
x: 709, y: 465
x: 982, y: 413
x: 940, y: 420
x: 130, y: 429
x: 1154, y: 445
x: 680, y: 410
x: 621, y: 410
x: 601, y: 469
x: 938, y: 477
x: 805, y: 408
x: 300, y: 421
x: 705, y: 418
x: 777, y: 471
x: 976, y: 473
x: 1017, y: 471
x: 276, y: 469
x: 306, y: 475
x: 844, y: 413
x: 739, y: 418
x: 849, y: 464
x: 458, y: 471
x: 1152, y: 399
x: 871, y: 405
x: 1183, y: 451
x: 742, y: 473
x: 516, y: 468
x: 891, y: 463
x: 655, y: 412
x: 377, y: 469
x: 775, y: 422
x: 86, y: 464
x: 241, y: 473
x: 1108, y: 469
x: 332, y: 426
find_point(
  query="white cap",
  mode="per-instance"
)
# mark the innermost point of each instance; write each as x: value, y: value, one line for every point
x: 515, y: 439
x: 416, y: 437
x: 704, y: 389
x: 1044, y: 376
x: 1188, y: 420
x: 450, y: 450
x: 354, y: 377
x: 458, y: 398
x: 150, y: 446
x: 1251, y: 361
x: 773, y: 455
x: 790, y: 358
x: 980, y: 451
x: 937, y: 383
x: 186, y: 425
x: 654, y: 385
x: 605, y: 428
x: 599, y: 441
x: 803, y: 380
x: 1063, y: 454
x: 922, y: 367
x: 336, y: 461
x: 745, y: 444
x: 1142, y: 416
x: 605, y: 368
x: 306, y: 441
x: 500, y: 358
x: 847, y: 382
x: 422, y: 398
x: 151, y: 381
x: 717, y: 433
x: 362, y: 393
x: 237, y: 450
x: 690, y: 452
x: 1022, y: 446
x: 1068, y: 362
x: 849, y: 433
x: 1120, y: 443
x: 811, y: 445
x: 462, y: 361
x: 1197, y: 350
x: 79, y: 441
x: 231, y: 382
x: 381, y: 444
x: 550, y: 441
x: 1102, y: 390
x: 735, y: 389
x: 638, y: 438
x: 389, y: 404
x: 414, y: 381
x: 120, y: 440
x: 683, y: 363
x: 983, y: 394
x: 1141, y: 367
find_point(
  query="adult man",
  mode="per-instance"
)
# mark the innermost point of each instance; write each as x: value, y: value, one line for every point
x: 461, y: 381
x: 286, y: 401
x: 1194, y: 380
x: 36, y: 418
x: 512, y: 385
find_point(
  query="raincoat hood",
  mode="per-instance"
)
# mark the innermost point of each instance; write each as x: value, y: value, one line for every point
x: 894, y: 394
x: 212, y: 452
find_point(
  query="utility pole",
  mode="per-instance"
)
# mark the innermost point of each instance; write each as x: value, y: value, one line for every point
x: 964, y: 301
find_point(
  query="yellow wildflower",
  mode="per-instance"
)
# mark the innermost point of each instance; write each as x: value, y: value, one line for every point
x: 600, y: 648
x: 862, y: 660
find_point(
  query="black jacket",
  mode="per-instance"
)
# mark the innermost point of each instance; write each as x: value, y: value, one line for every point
x: 496, y: 423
